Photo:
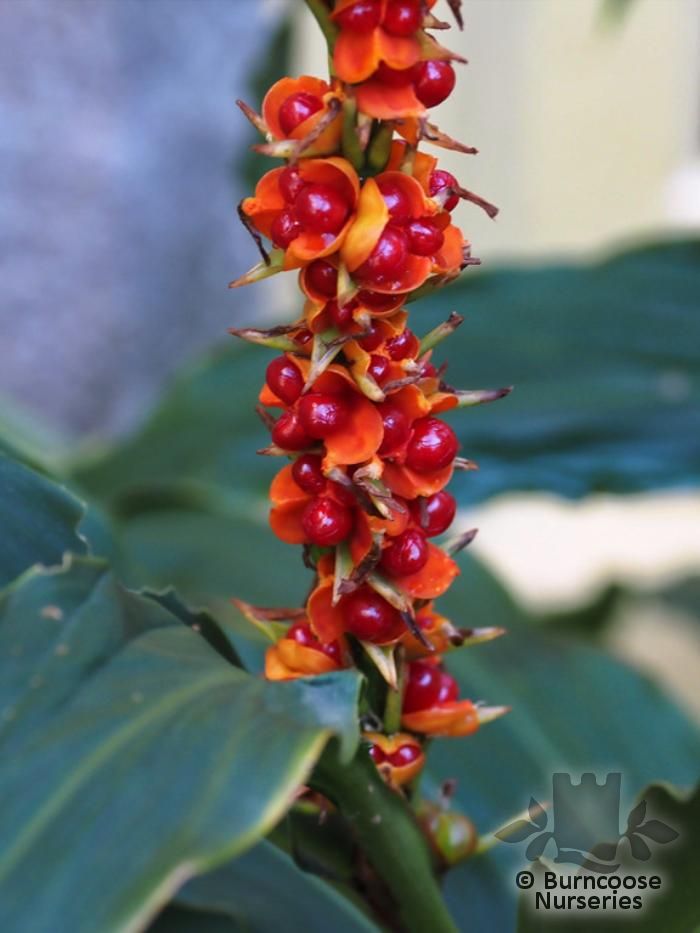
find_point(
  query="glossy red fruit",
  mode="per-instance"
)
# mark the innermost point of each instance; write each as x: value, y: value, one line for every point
x: 322, y: 414
x: 402, y: 17
x: 403, y: 345
x: 378, y: 368
x: 308, y: 474
x: 370, y: 617
x: 363, y: 16
x: 393, y: 77
x: 301, y: 633
x: 425, y: 238
x: 297, y: 108
x: 434, y: 81
x: 290, y: 183
x: 326, y: 522
x: 374, y: 338
x: 435, y: 513
x: 303, y: 336
x: 284, y: 379
x: 387, y: 257
x: 341, y: 315
x: 407, y: 553
x: 438, y: 181
x: 396, y: 200
x: 289, y: 434
x: 342, y: 494
x: 433, y: 445
x: 322, y: 277
x: 397, y: 428
x: 377, y: 301
x: 404, y: 755
x: 426, y: 686
x: 321, y: 208
x: 285, y: 228
x: 377, y: 754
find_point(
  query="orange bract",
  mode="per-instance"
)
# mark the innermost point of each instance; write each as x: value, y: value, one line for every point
x: 455, y: 718
x: 329, y: 139
x: 288, y: 660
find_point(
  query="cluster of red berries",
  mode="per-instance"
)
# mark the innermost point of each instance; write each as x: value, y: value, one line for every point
x: 358, y: 397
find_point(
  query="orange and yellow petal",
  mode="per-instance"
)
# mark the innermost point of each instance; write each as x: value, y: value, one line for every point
x: 359, y: 438
x: 409, y: 484
x: 325, y: 619
x: 433, y: 579
x: 456, y: 718
x: 372, y: 217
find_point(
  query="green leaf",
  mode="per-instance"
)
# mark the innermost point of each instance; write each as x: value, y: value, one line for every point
x: 134, y: 755
x: 38, y: 520
x: 674, y: 908
x: 607, y: 387
x: 264, y: 891
x: 574, y: 709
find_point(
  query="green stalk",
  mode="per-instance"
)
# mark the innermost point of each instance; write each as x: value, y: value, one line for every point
x: 388, y: 834
x: 394, y: 698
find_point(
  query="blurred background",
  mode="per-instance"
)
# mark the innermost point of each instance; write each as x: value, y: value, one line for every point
x: 123, y: 158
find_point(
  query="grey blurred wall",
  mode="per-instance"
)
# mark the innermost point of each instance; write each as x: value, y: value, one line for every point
x: 118, y: 232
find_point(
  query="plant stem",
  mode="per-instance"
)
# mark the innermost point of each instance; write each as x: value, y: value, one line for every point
x: 388, y: 834
x: 394, y: 698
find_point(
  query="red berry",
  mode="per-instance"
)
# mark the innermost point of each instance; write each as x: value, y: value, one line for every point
x: 289, y: 434
x: 449, y: 688
x: 341, y: 315
x: 404, y: 755
x: 402, y: 17
x: 396, y: 200
x: 290, y: 183
x: 397, y: 428
x: 403, y: 345
x: 303, y: 336
x: 425, y: 238
x: 387, y: 257
x: 407, y: 553
x: 374, y: 337
x: 321, y: 208
x: 376, y: 301
x: 297, y: 108
x: 378, y: 368
x: 322, y: 277
x: 284, y: 379
x: 377, y: 754
x: 343, y: 494
x: 393, y: 77
x: 435, y: 513
x: 326, y: 522
x: 285, y: 228
x: 301, y: 633
x: 363, y: 16
x: 427, y: 686
x: 433, y: 445
x: 428, y: 371
x: 438, y: 181
x: 307, y: 473
x: 434, y: 81
x: 370, y: 617
x: 322, y: 413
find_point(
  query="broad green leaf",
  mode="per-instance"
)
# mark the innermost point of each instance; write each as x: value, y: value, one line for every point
x: 603, y: 360
x: 573, y: 709
x: 133, y: 754
x: 24, y: 437
x: 674, y: 908
x: 38, y: 520
x: 264, y: 891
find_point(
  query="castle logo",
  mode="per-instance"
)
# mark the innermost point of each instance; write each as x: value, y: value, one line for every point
x: 585, y: 826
